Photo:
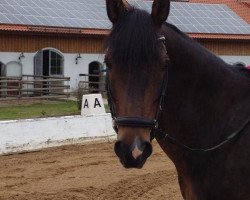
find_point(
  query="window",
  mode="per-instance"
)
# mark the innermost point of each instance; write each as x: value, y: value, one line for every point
x: 55, y: 64
x: 48, y: 62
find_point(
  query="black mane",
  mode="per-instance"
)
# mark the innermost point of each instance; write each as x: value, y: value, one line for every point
x: 133, y: 41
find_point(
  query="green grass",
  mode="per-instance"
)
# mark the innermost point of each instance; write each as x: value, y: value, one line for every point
x: 36, y: 110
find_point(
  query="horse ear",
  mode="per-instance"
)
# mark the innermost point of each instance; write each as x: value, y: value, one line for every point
x: 116, y: 8
x: 160, y: 11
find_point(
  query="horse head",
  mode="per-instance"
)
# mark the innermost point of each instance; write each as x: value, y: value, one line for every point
x: 136, y: 58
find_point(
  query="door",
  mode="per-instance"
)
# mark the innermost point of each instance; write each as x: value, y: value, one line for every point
x: 38, y: 72
x: 13, y: 73
x: 2, y: 79
x: 94, y: 79
x: 48, y: 62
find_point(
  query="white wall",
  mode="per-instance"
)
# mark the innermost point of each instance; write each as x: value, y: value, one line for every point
x: 32, y: 134
x: 71, y: 69
x: 234, y: 59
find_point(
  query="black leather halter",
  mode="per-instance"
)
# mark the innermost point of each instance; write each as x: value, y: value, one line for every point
x: 136, y: 121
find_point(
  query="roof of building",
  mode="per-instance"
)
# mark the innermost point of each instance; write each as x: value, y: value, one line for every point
x: 46, y: 29
x: 198, y: 18
x: 240, y: 7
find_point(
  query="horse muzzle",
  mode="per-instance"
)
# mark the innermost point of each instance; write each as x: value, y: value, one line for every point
x: 135, y: 155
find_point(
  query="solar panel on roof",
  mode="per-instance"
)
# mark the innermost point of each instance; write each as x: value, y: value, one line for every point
x: 188, y: 17
x: 204, y: 18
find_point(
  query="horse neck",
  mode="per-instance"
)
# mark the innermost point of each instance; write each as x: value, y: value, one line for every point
x: 203, y: 95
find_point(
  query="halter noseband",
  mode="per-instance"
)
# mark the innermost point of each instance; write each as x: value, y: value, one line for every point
x: 129, y: 121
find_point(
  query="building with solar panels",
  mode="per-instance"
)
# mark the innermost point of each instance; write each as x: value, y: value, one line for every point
x: 66, y: 37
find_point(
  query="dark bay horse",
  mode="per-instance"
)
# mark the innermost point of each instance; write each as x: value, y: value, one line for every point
x: 163, y: 84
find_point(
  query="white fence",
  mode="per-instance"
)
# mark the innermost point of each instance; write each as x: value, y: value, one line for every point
x: 32, y: 134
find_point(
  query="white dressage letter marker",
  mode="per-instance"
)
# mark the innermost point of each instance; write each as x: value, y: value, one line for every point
x: 92, y: 104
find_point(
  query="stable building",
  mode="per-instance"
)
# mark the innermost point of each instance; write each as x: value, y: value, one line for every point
x: 59, y: 38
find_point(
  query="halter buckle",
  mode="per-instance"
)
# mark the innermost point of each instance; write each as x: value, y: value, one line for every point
x: 156, y: 124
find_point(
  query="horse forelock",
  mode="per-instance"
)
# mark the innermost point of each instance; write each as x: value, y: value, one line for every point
x: 133, y: 41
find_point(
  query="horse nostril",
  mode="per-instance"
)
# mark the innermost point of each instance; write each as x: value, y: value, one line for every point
x: 148, y: 149
x: 119, y: 147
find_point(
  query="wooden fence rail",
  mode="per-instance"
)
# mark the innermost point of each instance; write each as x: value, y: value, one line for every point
x: 89, y: 85
x: 29, y: 86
